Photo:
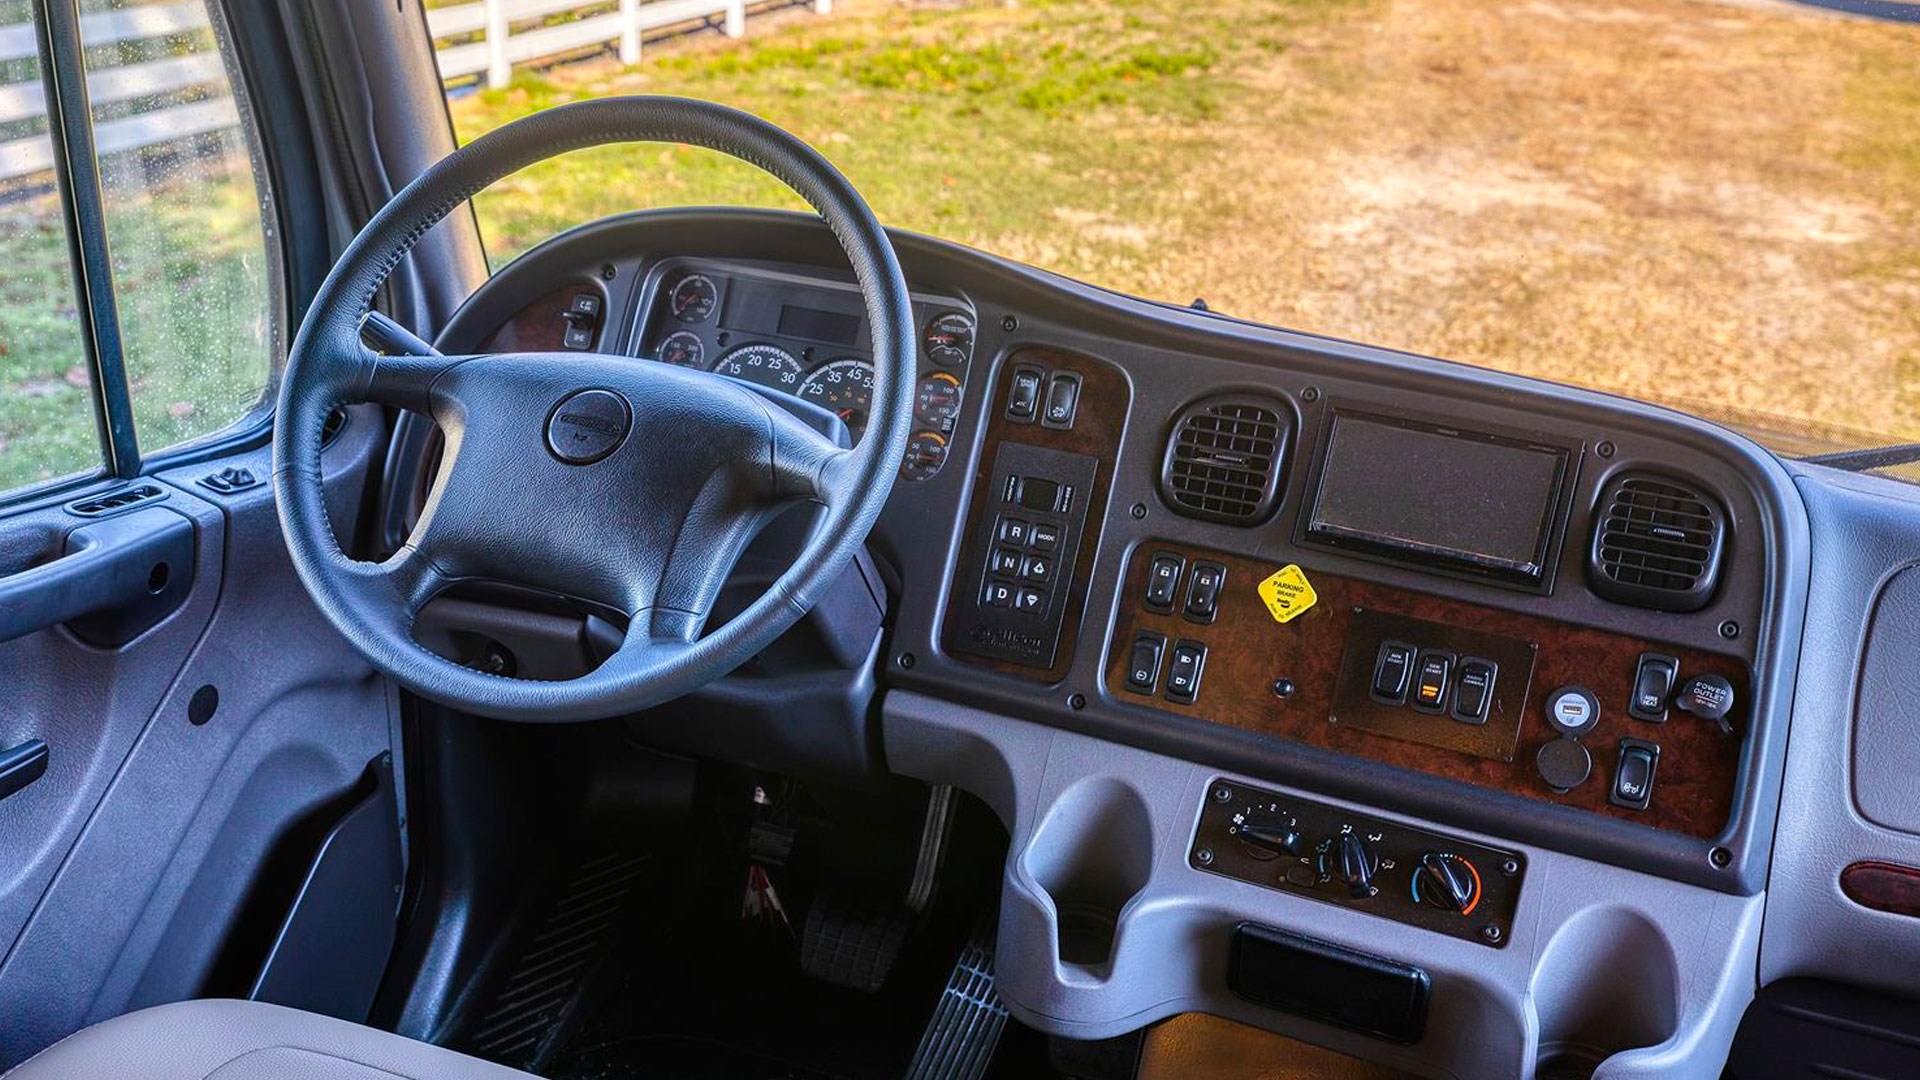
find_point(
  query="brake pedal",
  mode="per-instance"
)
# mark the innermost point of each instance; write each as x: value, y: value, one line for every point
x: 966, y: 1025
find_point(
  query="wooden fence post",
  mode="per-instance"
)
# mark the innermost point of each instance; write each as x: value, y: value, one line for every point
x: 737, y: 18
x: 629, y: 31
x: 499, y: 69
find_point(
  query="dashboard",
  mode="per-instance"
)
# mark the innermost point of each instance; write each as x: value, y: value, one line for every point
x: 1480, y: 685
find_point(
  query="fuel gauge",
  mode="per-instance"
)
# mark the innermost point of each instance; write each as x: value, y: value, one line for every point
x: 949, y: 338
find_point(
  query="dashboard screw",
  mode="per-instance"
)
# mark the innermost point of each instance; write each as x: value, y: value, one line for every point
x: 1720, y: 857
x: 1076, y: 702
x: 1283, y: 688
x: 1605, y: 449
x: 1729, y: 629
x: 1310, y: 394
x: 906, y: 660
x: 1203, y: 856
x: 1491, y: 933
x: 1009, y: 323
x: 1510, y: 867
x: 1139, y: 511
x: 1223, y: 793
x: 609, y: 271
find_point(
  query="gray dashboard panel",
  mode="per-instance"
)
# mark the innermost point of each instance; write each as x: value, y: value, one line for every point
x: 1649, y: 974
x: 1869, y: 538
x: 1886, y: 720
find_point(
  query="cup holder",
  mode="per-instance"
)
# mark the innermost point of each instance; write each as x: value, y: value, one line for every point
x: 1092, y: 854
x: 1606, y: 984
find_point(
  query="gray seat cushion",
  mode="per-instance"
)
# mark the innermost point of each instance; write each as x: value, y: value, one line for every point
x: 246, y: 1040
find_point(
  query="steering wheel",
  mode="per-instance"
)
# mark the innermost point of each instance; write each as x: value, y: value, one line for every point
x: 630, y: 484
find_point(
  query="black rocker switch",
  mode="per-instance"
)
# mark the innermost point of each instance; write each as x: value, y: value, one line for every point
x: 1203, y: 591
x: 1183, y: 672
x: 1430, y: 680
x: 1652, y: 687
x: 1392, y: 671
x: 1023, y: 397
x: 1633, y: 777
x: 1063, y: 400
x: 1143, y: 667
x: 1163, y: 581
x: 1473, y: 690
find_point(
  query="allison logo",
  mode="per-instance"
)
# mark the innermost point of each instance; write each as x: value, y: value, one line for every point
x: 597, y: 424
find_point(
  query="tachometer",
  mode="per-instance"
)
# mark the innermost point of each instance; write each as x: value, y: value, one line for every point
x: 682, y: 348
x: 768, y: 365
x: 693, y: 299
x: 845, y: 387
x: 949, y: 338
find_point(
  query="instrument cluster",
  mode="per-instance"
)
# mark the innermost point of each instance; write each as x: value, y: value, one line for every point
x: 809, y: 338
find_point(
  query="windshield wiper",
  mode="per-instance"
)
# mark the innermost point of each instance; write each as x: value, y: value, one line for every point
x: 1876, y: 457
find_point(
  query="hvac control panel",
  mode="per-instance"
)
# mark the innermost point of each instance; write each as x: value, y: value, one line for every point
x: 1453, y: 887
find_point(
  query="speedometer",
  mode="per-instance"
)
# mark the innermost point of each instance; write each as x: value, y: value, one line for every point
x: 844, y: 387
x: 768, y: 365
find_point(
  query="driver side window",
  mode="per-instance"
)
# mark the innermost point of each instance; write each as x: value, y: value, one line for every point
x: 138, y: 294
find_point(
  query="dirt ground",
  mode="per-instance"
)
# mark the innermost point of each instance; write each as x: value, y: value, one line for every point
x: 1672, y: 200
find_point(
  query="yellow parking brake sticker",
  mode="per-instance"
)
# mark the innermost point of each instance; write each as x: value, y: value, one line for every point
x: 1288, y: 593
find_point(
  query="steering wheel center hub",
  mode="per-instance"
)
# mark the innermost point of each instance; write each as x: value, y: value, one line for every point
x: 588, y: 425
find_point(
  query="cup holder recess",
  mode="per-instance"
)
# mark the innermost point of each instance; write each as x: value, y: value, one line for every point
x: 1092, y: 854
x: 1606, y: 984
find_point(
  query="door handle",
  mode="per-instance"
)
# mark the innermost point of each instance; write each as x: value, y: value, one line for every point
x: 118, y: 577
x: 22, y: 765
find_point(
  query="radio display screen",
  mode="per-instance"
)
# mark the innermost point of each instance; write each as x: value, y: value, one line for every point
x: 1433, y: 495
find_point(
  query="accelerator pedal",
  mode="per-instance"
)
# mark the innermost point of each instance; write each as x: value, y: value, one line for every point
x: 966, y: 1025
x: 853, y: 939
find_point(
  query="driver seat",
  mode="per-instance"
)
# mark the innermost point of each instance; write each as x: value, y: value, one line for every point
x: 247, y: 1040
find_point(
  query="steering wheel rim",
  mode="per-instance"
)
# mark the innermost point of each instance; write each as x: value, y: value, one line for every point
x: 761, y: 459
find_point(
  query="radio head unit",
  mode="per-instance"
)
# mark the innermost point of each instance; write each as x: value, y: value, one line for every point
x: 1439, y: 497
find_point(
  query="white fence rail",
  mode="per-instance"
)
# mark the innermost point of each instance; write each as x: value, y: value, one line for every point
x: 496, y: 47
x: 112, y: 85
x: 500, y: 46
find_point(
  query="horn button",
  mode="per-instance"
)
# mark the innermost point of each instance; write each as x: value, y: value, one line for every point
x: 588, y: 425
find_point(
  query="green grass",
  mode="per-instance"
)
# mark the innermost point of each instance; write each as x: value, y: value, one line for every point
x: 190, y: 276
x: 979, y: 123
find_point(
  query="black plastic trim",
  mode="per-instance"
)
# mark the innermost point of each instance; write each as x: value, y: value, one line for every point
x: 77, y: 171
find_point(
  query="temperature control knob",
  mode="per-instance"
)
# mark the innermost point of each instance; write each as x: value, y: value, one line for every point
x: 1446, y: 881
x: 1270, y: 833
x: 1355, y: 864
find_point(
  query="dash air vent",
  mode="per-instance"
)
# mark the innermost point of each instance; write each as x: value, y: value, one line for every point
x: 1225, y: 459
x: 1657, y: 543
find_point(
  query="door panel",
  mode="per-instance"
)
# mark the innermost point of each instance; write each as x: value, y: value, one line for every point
x: 130, y: 863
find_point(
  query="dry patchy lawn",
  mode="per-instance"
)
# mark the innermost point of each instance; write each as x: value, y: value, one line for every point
x: 1713, y: 205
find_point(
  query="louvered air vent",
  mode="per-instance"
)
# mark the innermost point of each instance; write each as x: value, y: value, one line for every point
x: 1657, y: 543
x: 121, y: 499
x: 1225, y: 459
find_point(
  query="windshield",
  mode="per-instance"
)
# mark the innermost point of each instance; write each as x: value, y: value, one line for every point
x: 1710, y: 204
